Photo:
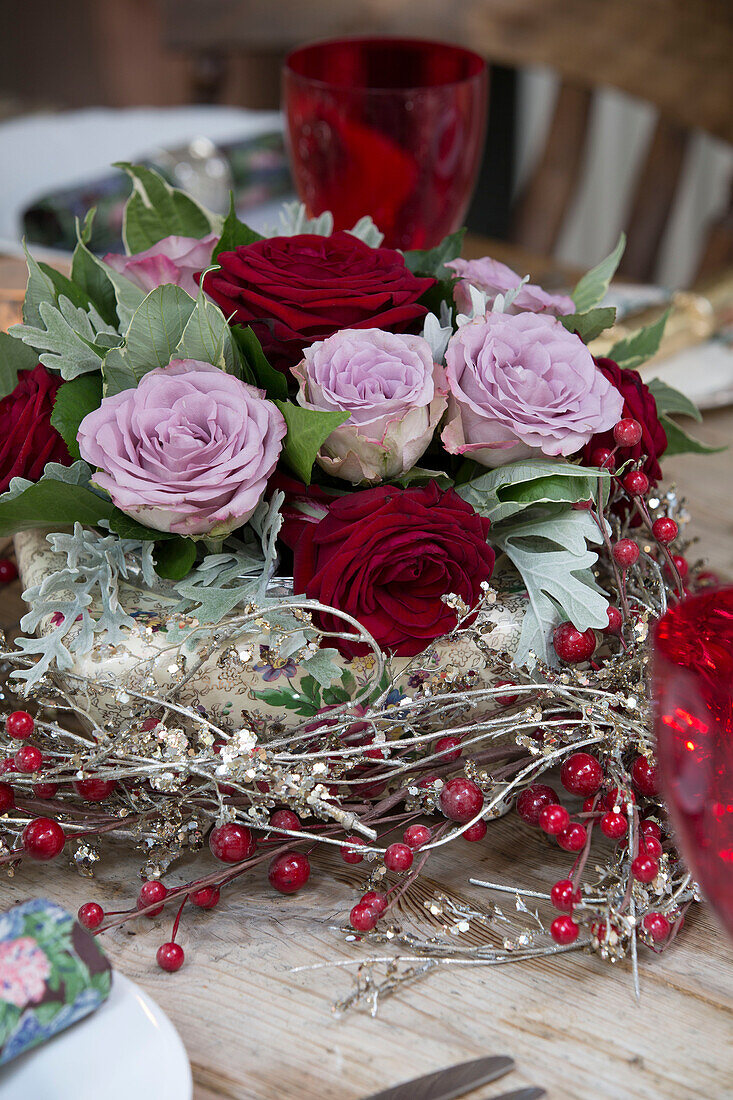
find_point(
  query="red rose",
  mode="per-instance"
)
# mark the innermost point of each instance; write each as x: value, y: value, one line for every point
x: 27, y: 440
x: 639, y: 404
x: 296, y: 290
x: 386, y: 556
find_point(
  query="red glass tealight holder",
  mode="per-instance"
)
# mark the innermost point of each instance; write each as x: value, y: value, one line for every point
x: 390, y: 127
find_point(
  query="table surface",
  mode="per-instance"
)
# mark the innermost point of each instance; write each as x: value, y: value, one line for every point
x: 256, y: 1030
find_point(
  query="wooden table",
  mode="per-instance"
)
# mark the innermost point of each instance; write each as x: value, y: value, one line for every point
x: 255, y: 1030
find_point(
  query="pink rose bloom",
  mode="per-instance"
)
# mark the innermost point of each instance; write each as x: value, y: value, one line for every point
x: 24, y: 969
x: 522, y: 385
x: 172, y: 260
x: 494, y: 278
x: 392, y: 390
x: 189, y: 450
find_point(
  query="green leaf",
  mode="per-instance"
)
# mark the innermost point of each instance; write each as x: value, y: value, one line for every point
x: 156, y: 210
x: 640, y: 346
x: 128, y: 528
x: 208, y: 338
x: 71, y: 341
x: 92, y: 276
x: 63, y: 285
x: 307, y: 431
x: 38, y: 289
x: 680, y: 443
x: 234, y: 233
x: 670, y: 400
x: 431, y: 261
x: 52, y: 504
x: 272, y: 381
x: 281, y: 697
x: 593, y: 286
x: 506, y: 491
x: 174, y: 559
x: 151, y: 340
x: 417, y: 475
x: 591, y: 324
x: 73, y: 401
x: 14, y: 356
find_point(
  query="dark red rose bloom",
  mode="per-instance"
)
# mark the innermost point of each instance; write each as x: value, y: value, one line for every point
x: 386, y: 556
x: 296, y: 290
x: 27, y: 440
x: 639, y: 404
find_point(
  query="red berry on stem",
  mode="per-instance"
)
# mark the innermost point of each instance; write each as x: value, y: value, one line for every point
x: 644, y: 868
x: 45, y: 790
x: 573, y: 838
x: 19, y: 725
x: 626, y: 552
x: 449, y: 748
x: 363, y: 918
x: 553, y: 819
x: 170, y: 957
x: 665, y: 529
x: 615, y: 800
x: 289, y: 872
x: 90, y: 915
x: 28, y: 759
x: 43, y: 838
x: 564, y: 895
x: 206, y: 897
x: 398, y: 857
x: 581, y: 774
x: 604, y: 458
x: 589, y: 805
x: 232, y: 843
x: 644, y: 776
x: 285, y: 819
x: 415, y: 836
x: 507, y: 700
x: 375, y: 900
x: 636, y: 483
x: 94, y: 790
x: 650, y: 846
x: 475, y: 832
x: 7, y: 798
x: 534, y: 799
x: 564, y: 930
x: 573, y: 645
x: 461, y: 799
x: 151, y: 892
x: 614, y: 620
x: 8, y: 571
x: 657, y: 925
x: 353, y: 855
x: 627, y: 432
x: 650, y: 828
x: 613, y: 825
x: 681, y: 565
x: 7, y: 765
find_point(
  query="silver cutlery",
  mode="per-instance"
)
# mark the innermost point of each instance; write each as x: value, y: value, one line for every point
x: 454, y: 1081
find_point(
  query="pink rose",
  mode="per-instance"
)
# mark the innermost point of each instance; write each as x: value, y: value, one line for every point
x: 189, y: 450
x: 172, y: 260
x: 391, y: 388
x: 24, y: 969
x: 494, y: 278
x: 520, y: 385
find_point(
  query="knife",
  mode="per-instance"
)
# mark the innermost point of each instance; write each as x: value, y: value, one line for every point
x: 445, y: 1084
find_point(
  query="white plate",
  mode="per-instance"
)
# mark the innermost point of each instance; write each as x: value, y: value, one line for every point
x: 127, y: 1049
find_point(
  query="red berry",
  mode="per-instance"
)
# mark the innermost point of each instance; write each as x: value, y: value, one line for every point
x: 289, y: 872
x: 627, y: 432
x: 644, y: 868
x: 206, y: 897
x: 232, y: 843
x: 564, y: 930
x: 613, y: 825
x: 363, y: 918
x: 285, y: 819
x: 573, y: 838
x: 681, y: 565
x: 45, y: 790
x: 650, y: 828
x: 644, y: 776
x: 564, y: 895
x: 43, y: 838
x: 449, y: 748
x: 170, y: 957
x: 604, y: 458
x: 615, y: 799
x: 7, y: 765
x: 375, y: 901
x: 665, y: 529
x: 7, y: 798
x: 19, y: 725
x: 415, y: 836
x: 589, y: 805
x: 636, y: 483
x: 614, y: 620
x: 94, y: 790
x: 626, y: 552
x: 398, y: 857
x: 461, y: 799
x: 353, y: 855
x: 657, y: 925
x: 8, y: 571
x: 534, y: 799
x: 509, y: 699
x: 28, y: 759
x: 581, y: 774
x: 150, y: 892
x: 553, y: 819
x: 650, y: 846
x: 475, y: 832
x: 90, y: 915
x: 572, y: 645
x: 426, y: 781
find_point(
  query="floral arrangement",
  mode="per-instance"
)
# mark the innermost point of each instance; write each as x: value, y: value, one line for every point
x: 410, y: 437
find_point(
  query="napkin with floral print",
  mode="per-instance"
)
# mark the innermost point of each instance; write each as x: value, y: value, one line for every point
x: 52, y: 973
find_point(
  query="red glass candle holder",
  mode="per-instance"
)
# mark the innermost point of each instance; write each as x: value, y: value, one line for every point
x: 693, y: 698
x: 391, y: 127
